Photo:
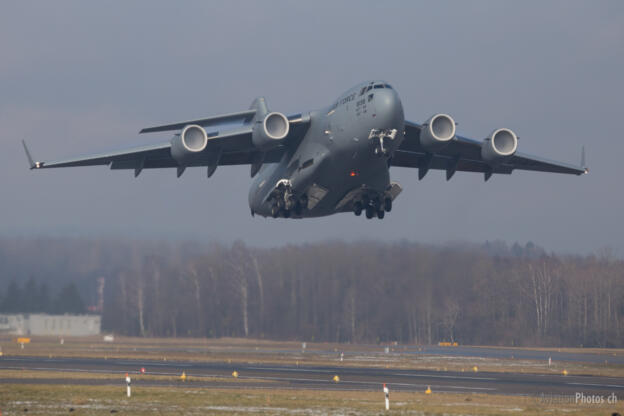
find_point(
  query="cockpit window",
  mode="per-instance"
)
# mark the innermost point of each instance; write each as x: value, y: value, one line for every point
x: 376, y: 86
x: 363, y: 91
x: 369, y: 88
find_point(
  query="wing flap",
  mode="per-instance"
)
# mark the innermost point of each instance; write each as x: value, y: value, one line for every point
x: 464, y: 154
x: 157, y: 151
x: 440, y: 162
x: 535, y: 163
x: 235, y: 148
x: 204, y: 122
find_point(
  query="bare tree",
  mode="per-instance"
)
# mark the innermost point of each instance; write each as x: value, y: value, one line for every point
x: 449, y: 316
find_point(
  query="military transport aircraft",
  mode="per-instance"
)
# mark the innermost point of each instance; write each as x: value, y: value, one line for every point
x: 323, y: 162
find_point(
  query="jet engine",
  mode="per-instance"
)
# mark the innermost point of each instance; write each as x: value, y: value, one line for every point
x: 437, y: 132
x: 270, y: 131
x: 189, y: 143
x: 499, y: 145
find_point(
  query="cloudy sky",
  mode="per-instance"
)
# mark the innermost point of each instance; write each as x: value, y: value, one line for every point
x: 78, y: 77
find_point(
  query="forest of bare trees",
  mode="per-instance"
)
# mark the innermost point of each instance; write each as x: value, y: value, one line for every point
x: 336, y: 291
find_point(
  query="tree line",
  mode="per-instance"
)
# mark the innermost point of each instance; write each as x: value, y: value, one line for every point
x: 348, y: 292
x: 35, y: 297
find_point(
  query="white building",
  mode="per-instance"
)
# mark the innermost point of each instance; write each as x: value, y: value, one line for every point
x: 43, y: 324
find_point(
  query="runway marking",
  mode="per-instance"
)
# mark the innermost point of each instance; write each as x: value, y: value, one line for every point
x: 438, y: 376
x: 439, y: 388
x: 292, y: 369
x: 66, y: 370
x: 82, y: 370
x: 598, y: 385
x: 139, y: 363
x: 146, y: 364
x: 316, y: 380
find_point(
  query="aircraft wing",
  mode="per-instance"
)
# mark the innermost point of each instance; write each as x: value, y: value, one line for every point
x: 464, y: 154
x: 234, y: 147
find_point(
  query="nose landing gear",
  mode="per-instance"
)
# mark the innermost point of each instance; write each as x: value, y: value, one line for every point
x: 377, y: 138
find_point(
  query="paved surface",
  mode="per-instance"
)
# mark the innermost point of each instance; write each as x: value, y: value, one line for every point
x: 459, y: 351
x: 519, y: 354
x: 289, y: 376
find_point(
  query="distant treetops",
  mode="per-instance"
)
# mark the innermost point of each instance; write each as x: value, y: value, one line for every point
x: 35, y: 297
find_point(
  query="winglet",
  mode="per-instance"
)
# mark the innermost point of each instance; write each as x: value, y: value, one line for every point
x: 583, y: 164
x: 33, y: 165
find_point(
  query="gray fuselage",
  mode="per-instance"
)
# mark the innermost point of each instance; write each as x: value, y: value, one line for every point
x: 337, y: 155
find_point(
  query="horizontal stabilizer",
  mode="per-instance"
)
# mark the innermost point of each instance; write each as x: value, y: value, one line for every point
x: 204, y: 122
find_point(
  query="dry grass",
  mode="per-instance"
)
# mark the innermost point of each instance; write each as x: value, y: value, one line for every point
x: 100, y: 400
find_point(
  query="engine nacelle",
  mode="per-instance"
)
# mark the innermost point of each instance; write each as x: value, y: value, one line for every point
x: 499, y: 145
x: 271, y: 131
x: 191, y: 141
x: 437, y: 132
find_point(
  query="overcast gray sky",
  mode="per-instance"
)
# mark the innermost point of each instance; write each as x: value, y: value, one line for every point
x: 78, y: 77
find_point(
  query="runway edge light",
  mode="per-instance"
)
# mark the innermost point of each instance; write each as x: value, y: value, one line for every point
x: 128, y: 391
x: 387, y: 394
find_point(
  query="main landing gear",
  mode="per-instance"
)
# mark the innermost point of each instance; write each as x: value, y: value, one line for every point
x: 373, y: 206
x: 284, y: 203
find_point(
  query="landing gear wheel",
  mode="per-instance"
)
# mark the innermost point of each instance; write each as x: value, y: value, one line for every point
x: 274, y: 211
x: 388, y: 204
x: 286, y: 213
x: 380, y: 214
x: 376, y: 204
x: 357, y: 208
x: 370, y: 212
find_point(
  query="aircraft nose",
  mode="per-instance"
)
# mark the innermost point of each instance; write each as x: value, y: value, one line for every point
x: 388, y: 107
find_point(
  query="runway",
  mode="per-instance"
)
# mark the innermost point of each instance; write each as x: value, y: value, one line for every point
x: 219, y: 375
x: 429, y: 350
x: 518, y: 354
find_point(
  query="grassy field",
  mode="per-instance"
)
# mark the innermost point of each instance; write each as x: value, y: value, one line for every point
x: 100, y: 400
x: 49, y: 392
